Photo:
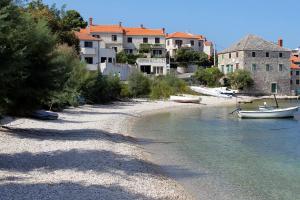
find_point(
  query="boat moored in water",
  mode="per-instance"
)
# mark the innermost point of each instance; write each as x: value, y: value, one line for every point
x: 269, y: 113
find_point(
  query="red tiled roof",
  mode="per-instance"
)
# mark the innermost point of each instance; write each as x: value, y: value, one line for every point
x: 185, y: 35
x: 144, y: 31
x: 295, y: 62
x: 106, y: 29
x: 85, y: 36
x: 208, y: 43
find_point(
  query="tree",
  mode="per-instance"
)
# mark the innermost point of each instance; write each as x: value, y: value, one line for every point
x: 33, y: 69
x: 61, y: 22
x: 208, y: 76
x: 123, y: 57
x: 240, y: 79
x: 187, y: 56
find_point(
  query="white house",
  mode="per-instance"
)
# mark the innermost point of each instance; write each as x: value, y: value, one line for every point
x: 177, y: 40
x: 155, y: 66
x: 94, y: 52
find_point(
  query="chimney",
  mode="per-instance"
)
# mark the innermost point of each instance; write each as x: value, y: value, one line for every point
x: 142, y: 26
x: 91, y: 21
x: 120, y: 24
x: 280, y: 42
x: 164, y: 30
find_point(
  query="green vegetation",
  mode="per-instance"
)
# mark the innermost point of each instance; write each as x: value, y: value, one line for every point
x: 208, y: 76
x: 138, y: 84
x: 101, y: 89
x: 145, y: 48
x: 240, y: 79
x: 187, y: 56
x: 123, y: 57
x: 165, y: 86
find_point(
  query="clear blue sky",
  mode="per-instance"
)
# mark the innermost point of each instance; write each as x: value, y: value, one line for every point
x: 222, y: 21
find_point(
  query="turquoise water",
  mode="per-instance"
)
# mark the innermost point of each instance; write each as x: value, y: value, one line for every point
x: 218, y: 156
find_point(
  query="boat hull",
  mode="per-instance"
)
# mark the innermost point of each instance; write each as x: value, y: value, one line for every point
x: 210, y: 91
x: 263, y: 114
x: 185, y: 99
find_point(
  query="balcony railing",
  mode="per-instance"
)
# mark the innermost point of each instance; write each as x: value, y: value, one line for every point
x: 88, y: 51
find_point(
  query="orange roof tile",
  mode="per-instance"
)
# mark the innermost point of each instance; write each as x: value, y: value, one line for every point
x: 144, y: 31
x: 295, y: 62
x: 185, y: 35
x: 84, y: 36
x: 106, y: 29
x: 208, y: 43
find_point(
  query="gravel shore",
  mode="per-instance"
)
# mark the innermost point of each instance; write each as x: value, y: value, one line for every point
x: 87, y: 153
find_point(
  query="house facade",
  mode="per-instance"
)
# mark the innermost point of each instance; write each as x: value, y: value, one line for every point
x: 268, y: 63
x: 177, y: 40
x: 295, y: 72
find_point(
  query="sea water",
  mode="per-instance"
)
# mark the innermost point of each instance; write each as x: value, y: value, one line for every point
x: 215, y: 155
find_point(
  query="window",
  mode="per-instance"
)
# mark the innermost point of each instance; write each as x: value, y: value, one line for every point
x: 192, y: 42
x: 237, y: 65
x: 168, y: 42
x: 267, y: 54
x: 199, y: 44
x: 158, y: 70
x: 297, y: 81
x: 178, y: 43
x: 114, y: 38
x: 129, y: 40
x: 280, y: 55
x: 229, y: 55
x: 145, y: 40
x: 128, y: 51
x: 267, y: 67
x: 291, y: 82
x: 291, y: 73
x: 253, y: 54
x: 237, y: 54
x: 280, y: 67
x: 253, y: 67
x: 110, y: 60
x: 115, y: 48
x: 157, y: 40
x: 88, y: 44
x: 157, y: 52
x: 89, y: 60
x: 297, y: 73
x: 96, y: 36
x: 222, y: 66
x: 103, y: 59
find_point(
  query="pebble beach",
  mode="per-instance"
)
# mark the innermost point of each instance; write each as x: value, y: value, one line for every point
x: 88, y: 153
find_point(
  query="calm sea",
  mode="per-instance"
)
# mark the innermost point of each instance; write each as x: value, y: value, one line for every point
x: 215, y: 155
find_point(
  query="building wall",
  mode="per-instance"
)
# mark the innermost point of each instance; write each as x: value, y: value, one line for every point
x: 295, y: 80
x: 172, y: 47
x: 107, y: 39
x: 263, y: 79
x: 137, y: 40
x: 229, y: 63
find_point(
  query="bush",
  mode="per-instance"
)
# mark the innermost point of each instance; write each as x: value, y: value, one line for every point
x: 240, y: 79
x: 123, y: 57
x: 101, y: 89
x: 187, y: 56
x: 165, y: 86
x: 138, y: 84
x: 208, y: 76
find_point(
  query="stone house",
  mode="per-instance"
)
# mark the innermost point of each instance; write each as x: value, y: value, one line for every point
x: 268, y: 63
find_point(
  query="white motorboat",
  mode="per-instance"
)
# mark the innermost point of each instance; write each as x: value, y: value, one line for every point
x: 268, y: 113
x: 216, y: 92
x: 185, y: 98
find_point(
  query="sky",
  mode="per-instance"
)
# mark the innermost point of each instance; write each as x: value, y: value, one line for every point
x: 222, y: 21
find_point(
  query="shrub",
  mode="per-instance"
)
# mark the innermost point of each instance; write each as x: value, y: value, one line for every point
x: 165, y: 86
x: 240, y: 79
x: 187, y: 56
x: 138, y: 84
x: 101, y: 89
x: 208, y: 76
x: 123, y: 57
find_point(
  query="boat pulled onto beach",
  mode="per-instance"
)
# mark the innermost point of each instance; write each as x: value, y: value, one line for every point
x: 216, y: 92
x: 185, y: 98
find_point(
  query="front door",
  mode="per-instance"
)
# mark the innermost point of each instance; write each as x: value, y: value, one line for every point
x: 274, y: 88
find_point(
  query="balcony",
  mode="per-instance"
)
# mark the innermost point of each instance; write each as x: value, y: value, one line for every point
x: 88, y: 51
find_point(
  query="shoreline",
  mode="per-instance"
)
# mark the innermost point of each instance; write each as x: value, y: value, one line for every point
x: 67, y: 154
